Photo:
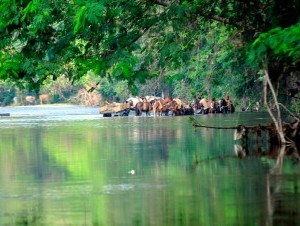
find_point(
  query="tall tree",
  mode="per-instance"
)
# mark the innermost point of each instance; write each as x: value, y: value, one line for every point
x: 126, y: 40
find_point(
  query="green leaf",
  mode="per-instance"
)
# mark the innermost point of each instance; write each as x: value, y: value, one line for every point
x: 32, y: 7
x: 80, y: 19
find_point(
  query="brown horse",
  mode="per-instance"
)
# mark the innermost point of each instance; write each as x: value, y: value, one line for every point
x: 204, y: 106
x: 133, y: 102
x: 160, y: 106
x: 174, y: 105
x: 143, y: 107
x: 168, y: 100
x: 212, y: 105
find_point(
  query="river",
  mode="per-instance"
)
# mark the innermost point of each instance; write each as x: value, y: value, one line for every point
x: 71, y: 166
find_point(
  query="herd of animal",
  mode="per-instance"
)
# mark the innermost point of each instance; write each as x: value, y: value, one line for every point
x: 165, y: 106
x: 31, y: 100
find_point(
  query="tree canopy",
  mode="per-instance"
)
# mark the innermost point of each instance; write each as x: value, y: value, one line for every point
x: 204, y: 42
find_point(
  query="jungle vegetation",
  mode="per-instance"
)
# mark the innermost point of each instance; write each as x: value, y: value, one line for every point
x: 181, y: 48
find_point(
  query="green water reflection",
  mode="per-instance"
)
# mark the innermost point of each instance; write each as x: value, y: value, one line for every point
x: 79, y: 172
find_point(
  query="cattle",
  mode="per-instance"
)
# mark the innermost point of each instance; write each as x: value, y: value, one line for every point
x: 44, y: 98
x: 30, y: 100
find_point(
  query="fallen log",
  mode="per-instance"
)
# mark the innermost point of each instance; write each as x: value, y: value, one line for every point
x: 291, y: 131
x: 4, y: 114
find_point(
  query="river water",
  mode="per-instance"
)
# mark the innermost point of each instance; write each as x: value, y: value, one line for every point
x: 71, y: 166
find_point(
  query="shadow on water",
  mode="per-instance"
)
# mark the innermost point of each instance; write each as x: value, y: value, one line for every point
x: 280, y: 183
x: 283, y: 197
x: 282, y: 189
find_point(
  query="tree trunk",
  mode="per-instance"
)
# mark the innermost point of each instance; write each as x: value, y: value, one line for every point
x: 276, y: 120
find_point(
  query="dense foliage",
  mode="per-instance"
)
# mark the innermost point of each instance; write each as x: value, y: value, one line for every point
x: 184, y: 47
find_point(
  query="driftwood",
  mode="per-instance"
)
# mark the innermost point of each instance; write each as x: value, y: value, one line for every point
x: 4, y: 114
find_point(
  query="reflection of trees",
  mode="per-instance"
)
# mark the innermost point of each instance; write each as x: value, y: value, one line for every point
x: 82, y: 159
x: 153, y: 143
x: 25, y: 160
x: 35, y: 160
x: 282, y: 190
x: 282, y: 195
x: 283, y: 198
